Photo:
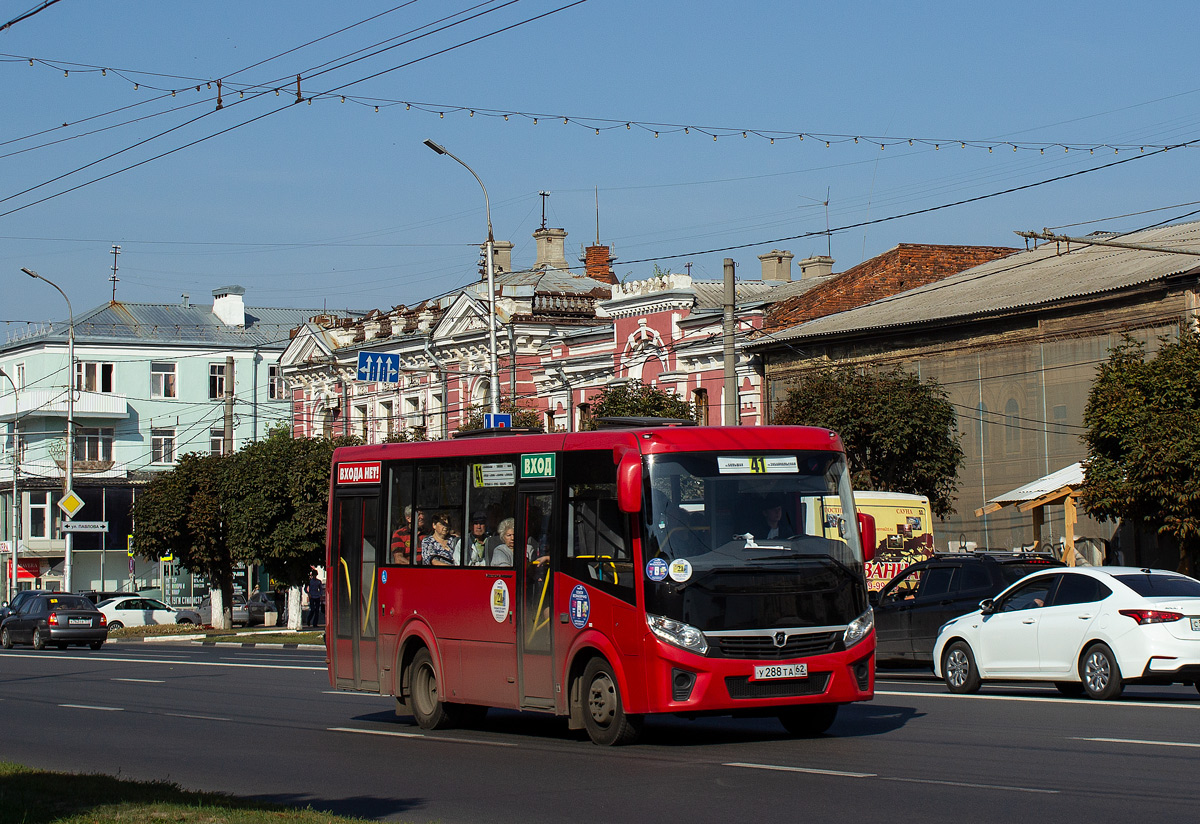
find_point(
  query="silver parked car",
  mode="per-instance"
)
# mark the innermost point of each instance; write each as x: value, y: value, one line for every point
x: 253, y: 611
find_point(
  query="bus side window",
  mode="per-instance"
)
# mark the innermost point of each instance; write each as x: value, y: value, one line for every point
x: 400, y: 515
x: 440, y: 495
x: 598, y: 548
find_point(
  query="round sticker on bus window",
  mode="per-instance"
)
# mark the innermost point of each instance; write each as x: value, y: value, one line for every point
x: 580, y: 607
x: 656, y: 569
x: 680, y: 570
x: 383, y: 576
x: 500, y: 602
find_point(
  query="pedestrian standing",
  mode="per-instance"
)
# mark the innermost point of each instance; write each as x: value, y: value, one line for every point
x: 316, y: 595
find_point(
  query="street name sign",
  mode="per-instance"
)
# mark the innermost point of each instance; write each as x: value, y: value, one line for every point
x: 84, y: 526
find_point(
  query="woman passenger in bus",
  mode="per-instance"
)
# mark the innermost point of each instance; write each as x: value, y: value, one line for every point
x: 502, y: 547
x: 441, y: 548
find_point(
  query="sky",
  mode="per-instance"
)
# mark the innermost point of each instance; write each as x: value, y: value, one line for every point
x: 325, y: 203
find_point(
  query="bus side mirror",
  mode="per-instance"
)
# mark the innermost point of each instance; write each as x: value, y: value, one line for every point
x: 629, y: 481
x: 866, y: 534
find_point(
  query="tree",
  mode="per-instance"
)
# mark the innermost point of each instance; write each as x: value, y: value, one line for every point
x: 523, y: 417
x: 1143, y: 440
x: 636, y: 399
x: 184, y: 512
x: 278, y: 490
x: 900, y: 434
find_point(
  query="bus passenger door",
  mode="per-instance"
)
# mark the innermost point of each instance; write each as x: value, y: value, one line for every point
x: 351, y: 592
x: 535, y: 530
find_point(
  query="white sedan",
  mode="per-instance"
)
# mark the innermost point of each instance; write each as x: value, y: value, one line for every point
x: 1085, y: 629
x: 140, y: 611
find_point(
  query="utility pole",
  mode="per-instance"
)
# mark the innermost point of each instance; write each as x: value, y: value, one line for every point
x: 116, y: 250
x: 227, y: 441
x: 732, y: 406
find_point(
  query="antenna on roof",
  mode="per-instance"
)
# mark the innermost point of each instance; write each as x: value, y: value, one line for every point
x: 543, y: 196
x: 597, y: 215
x: 116, y: 250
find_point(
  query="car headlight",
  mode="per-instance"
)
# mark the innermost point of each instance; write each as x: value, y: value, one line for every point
x: 859, y: 628
x: 678, y: 633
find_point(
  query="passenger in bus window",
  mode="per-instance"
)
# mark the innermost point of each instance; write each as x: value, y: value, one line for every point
x: 502, y: 545
x: 441, y: 548
x: 478, y: 542
x: 402, y: 540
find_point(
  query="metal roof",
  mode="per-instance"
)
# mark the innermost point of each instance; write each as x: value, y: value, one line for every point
x: 1033, y: 278
x: 120, y: 322
x: 1071, y: 476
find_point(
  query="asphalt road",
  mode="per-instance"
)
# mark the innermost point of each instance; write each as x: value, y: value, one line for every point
x: 264, y: 723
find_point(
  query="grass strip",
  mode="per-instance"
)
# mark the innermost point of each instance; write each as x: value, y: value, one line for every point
x: 31, y: 796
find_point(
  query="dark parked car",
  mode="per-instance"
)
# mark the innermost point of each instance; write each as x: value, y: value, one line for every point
x: 10, y: 607
x: 51, y: 618
x: 913, y: 605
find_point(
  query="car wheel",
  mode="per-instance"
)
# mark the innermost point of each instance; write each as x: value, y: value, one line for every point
x: 39, y: 640
x: 115, y: 625
x: 95, y: 644
x: 1100, y: 674
x: 808, y: 722
x: 5, y: 638
x: 1072, y: 689
x: 603, y: 712
x: 431, y: 713
x: 187, y: 621
x: 959, y: 670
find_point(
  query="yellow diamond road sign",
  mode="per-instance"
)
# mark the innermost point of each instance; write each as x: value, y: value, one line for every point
x: 71, y: 504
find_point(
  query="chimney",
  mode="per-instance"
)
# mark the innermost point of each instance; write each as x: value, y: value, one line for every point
x: 777, y: 266
x: 228, y: 305
x: 501, y: 257
x: 551, y: 251
x: 186, y: 300
x: 816, y: 267
x: 597, y: 263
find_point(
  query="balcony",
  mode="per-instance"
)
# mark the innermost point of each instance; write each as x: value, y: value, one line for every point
x: 52, y: 403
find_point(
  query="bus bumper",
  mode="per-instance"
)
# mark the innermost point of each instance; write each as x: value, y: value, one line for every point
x: 678, y: 681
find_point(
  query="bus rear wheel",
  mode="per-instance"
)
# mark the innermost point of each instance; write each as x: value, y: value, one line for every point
x: 431, y: 713
x: 807, y: 722
x: 603, y: 713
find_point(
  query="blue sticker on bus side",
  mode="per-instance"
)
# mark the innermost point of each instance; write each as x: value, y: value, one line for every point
x: 656, y: 569
x: 383, y: 576
x: 580, y: 607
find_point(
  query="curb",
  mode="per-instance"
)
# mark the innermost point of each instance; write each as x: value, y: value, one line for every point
x: 203, y: 640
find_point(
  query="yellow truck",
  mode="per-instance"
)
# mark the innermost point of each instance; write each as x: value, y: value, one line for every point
x: 903, y: 529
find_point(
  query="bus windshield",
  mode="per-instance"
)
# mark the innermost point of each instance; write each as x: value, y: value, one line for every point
x: 752, y: 540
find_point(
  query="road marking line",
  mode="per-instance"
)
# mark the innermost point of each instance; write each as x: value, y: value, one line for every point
x: 1078, y: 702
x: 423, y: 737
x: 198, y: 717
x: 780, y: 768
x: 161, y: 661
x: 90, y: 707
x: 1139, y: 741
x: 971, y: 785
x: 140, y: 680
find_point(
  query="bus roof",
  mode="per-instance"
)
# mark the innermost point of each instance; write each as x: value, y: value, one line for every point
x: 648, y: 440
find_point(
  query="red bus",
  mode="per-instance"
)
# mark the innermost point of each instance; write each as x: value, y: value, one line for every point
x: 602, y: 576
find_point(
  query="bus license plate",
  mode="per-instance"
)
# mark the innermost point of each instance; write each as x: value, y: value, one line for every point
x: 780, y: 671
x: 80, y: 622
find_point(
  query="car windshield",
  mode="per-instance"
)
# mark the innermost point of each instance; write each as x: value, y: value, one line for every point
x: 734, y: 541
x: 1160, y: 585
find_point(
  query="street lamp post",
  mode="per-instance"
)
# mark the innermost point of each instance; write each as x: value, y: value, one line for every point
x: 16, y: 508
x: 69, y: 478
x: 493, y: 368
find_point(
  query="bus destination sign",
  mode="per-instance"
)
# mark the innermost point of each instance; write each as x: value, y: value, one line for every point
x: 360, y: 472
x: 537, y: 465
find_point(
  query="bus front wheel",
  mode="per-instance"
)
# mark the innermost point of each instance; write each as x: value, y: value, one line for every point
x: 603, y: 713
x: 431, y: 713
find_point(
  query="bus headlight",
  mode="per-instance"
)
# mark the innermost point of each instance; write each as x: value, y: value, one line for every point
x: 678, y: 634
x: 859, y: 628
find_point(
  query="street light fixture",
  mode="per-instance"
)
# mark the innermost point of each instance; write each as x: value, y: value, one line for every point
x: 69, y: 478
x: 16, y: 508
x: 493, y: 369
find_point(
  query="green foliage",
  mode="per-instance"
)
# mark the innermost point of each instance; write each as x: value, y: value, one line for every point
x: 900, y: 435
x: 636, y: 399
x: 183, y: 512
x: 1143, y: 440
x: 523, y: 417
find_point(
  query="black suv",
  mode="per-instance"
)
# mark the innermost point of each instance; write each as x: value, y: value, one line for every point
x: 913, y: 605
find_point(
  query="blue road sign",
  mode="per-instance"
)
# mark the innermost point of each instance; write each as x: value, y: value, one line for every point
x: 497, y: 421
x: 378, y: 367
